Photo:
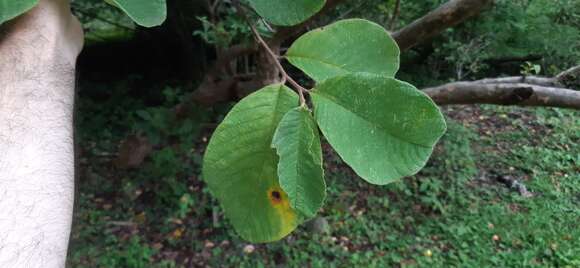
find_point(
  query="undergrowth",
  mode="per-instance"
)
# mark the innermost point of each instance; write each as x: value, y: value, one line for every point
x: 453, y: 213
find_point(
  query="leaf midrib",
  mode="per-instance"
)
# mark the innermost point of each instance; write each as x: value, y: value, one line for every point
x: 267, y: 148
x: 321, y: 61
x: 321, y: 94
x: 299, y: 157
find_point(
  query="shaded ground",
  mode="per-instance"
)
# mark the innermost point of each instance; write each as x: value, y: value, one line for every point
x: 454, y: 213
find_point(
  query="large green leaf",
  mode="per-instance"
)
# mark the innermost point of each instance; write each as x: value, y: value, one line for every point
x: 287, y: 12
x: 297, y: 142
x: 10, y: 9
x: 147, y: 13
x: 240, y: 167
x: 383, y: 128
x: 347, y: 46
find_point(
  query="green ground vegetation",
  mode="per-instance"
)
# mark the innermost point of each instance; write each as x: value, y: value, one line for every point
x: 455, y: 212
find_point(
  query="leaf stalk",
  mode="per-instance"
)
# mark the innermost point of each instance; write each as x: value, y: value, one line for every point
x: 275, y: 58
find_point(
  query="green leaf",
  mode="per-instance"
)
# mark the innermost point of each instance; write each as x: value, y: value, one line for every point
x: 383, y: 128
x: 287, y: 12
x: 347, y: 46
x: 10, y: 9
x: 297, y: 142
x: 240, y: 167
x: 147, y: 13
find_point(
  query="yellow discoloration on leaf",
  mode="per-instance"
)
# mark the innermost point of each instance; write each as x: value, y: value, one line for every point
x: 281, y: 204
x: 243, y: 185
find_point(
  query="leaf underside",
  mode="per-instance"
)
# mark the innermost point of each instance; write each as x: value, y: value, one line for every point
x: 297, y: 142
x: 383, y: 128
x: 147, y: 13
x: 287, y: 12
x: 10, y: 9
x: 347, y: 46
x: 240, y: 167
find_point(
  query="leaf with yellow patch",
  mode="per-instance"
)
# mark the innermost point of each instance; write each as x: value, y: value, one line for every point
x: 240, y: 168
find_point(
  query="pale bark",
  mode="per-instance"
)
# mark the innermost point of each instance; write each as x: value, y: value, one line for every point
x: 535, y: 80
x: 504, y: 94
x: 513, y: 90
x: 569, y: 78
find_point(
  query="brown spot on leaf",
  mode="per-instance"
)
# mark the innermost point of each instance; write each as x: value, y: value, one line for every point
x: 276, y: 196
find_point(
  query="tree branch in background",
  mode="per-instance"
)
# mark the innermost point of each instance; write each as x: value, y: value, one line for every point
x: 534, y: 80
x: 448, y: 15
x: 504, y: 94
x: 523, y: 91
x: 566, y: 79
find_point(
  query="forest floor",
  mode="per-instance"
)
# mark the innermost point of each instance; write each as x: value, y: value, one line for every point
x: 458, y: 211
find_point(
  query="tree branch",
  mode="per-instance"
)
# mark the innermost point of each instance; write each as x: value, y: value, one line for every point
x: 535, y: 80
x: 514, y: 90
x: 447, y: 15
x: 521, y: 94
x: 566, y: 79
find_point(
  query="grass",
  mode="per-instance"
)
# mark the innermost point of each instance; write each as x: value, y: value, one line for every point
x: 453, y: 213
